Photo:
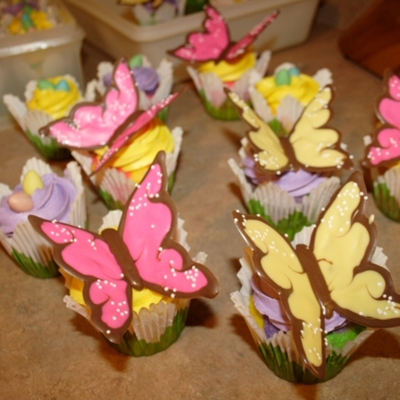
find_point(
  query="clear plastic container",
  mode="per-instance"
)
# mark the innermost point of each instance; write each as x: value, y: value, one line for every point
x: 112, y: 28
x: 39, y: 54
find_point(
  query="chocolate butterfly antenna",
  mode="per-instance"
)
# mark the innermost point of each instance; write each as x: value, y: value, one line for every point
x: 310, y: 145
x: 214, y: 43
x: 384, y: 149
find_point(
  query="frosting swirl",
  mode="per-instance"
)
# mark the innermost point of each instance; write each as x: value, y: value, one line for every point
x: 288, y: 83
x: 55, y: 96
x: 53, y: 201
x: 230, y: 71
x: 137, y: 155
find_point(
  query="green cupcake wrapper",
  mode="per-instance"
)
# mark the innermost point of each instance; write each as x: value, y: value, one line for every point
x: 33, y: 268
x: 113, y: 204
x: 227, y: 111
x: 289, y: 226
x: 386, y: 202
x: 280, y: 365
x: 51, y: 151
x: 134, y: 347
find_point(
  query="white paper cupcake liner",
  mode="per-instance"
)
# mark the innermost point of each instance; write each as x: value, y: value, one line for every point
x: 290, y: 108
x: 114, y: 182
x: 147, y: 324
x: 164, y: 72
x: 213, y: 87
x: 26, y: 240
x: 278, y: 204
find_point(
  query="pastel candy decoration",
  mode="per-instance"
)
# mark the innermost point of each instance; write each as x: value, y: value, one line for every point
x: 215, y: 43
x: 140, y: 254
x: 31, y: 182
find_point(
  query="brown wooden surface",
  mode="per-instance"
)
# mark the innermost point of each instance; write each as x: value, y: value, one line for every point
x: 373, y: 40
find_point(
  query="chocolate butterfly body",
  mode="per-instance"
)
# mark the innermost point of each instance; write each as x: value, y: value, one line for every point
x: 113, y: 122
x: 141, y: 253
x: 310, y: 145
x: 334, y: 272
x: 215, y: 44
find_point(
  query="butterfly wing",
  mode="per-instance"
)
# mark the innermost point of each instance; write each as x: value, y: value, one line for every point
x: 239, y: 48
x: 343, y: 243
x: 88, y: 257
x: 316, y: 147
x: 92, y: 125
x: 147, y: 227
x: 269, y: 150
x: 385, y: 148
x: 142, y: 120
x: 209, y: 44
x: 277, y: 263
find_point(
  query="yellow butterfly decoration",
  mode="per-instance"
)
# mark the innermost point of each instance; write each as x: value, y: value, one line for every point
x: 334, y: 272
x: 310, y: 145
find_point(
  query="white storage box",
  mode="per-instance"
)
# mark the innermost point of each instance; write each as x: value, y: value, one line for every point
x: 111, y: 27
x: 39, y: 54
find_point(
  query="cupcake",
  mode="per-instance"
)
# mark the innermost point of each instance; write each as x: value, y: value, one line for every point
x: 309, y: 304
x: 382, y: 155
x: 217, y: 63
x: 289, y: 179
x: 280, y: 99
x: 46, y: 100
x: 45, y: 194
x: 114, y: 143
x: 135, y: 279
x: 154, y: 84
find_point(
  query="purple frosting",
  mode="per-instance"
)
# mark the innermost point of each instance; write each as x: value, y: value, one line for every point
x: 146, y: 78
x: 272, y: 309
x: 52, y: 202
x: 296, y: 183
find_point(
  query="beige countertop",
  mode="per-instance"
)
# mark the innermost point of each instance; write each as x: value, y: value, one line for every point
x: 49, y: 352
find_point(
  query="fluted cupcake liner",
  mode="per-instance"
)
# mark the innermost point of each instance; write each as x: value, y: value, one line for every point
x: 29, y: 250
x: 279, y: 207
x: 212, y: 90
x: 113, y: 185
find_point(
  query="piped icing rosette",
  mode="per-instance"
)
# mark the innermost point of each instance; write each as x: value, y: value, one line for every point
x: 289, y: 179
x: 382, y: 155
x: 154, y: 84
x: 45, y: 194
x: 46, y: 100
x: 280, y: 99
x: 113, y: 141
x: 134, y: 280
x: 308, y: 302
x: 217, y: 62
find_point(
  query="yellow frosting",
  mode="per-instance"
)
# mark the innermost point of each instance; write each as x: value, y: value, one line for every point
x: 136, y: 156
x: 56, y: 103
x: 302, y: 87
x: 141, y: 298
x: 230, y: 71
x: 255, y: 313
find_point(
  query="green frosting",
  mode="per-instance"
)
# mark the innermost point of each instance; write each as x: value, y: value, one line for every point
x: 289, y: 226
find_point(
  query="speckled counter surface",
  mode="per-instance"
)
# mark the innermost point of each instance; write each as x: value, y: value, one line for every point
x: 49, y: 352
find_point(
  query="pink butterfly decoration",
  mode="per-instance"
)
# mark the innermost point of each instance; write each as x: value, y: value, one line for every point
x: 142, y: 253
x: 385, y: 148
x: 215, y: 43
x: 112, y: 122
